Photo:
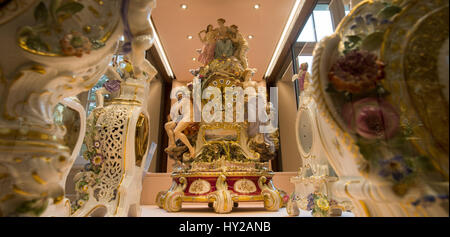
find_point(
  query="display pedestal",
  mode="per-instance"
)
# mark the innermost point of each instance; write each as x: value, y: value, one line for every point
x: 222, y: 190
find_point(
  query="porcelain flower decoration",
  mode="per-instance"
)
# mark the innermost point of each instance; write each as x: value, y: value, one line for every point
x: 371, y: 118
x: 356, y: 72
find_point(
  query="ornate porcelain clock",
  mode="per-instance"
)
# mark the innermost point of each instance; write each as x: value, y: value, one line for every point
x: 220, y: 159
x: 383, y: 118
x: 311, y: 184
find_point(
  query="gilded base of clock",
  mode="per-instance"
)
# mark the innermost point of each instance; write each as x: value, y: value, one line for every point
x: 221, y: 190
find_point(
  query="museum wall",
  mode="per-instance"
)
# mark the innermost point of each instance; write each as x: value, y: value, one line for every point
x: 287, y: 110
x: 154, y: 111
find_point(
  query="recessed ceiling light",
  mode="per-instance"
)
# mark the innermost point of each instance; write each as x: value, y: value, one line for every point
x: 250, y: 36
x: 193, y: 59
x: 189, y: 36
x: 256, y: 6
x: 183, y: 6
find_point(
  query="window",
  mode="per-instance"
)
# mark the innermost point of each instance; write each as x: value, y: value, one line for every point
x: 347, y: 9
x: 318, y: 25
x: 322, y: 21
x: 308, y: 33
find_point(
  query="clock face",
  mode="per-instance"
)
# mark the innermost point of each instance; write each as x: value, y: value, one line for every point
x: 305, y: 131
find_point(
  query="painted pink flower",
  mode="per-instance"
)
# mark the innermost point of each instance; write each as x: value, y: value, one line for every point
x: 371, y: 118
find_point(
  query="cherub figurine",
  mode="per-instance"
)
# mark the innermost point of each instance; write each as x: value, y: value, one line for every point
x: 182, y: 118
x: 241, y: 48
x: 140, y: 34
x: 224, y: 45
x: 209, y: 44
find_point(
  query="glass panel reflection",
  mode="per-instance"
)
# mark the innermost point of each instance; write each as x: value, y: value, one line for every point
x: 308, y: 34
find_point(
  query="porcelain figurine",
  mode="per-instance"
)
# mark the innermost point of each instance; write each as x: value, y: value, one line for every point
x: 302, y: 77
x: 178, y: 124
x: 241, y: 43
x: 209, y: 44
x: 224, y: 45
x: 111, y: 182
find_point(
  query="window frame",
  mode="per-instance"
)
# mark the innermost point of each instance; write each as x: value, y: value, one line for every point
x: 337, y: 12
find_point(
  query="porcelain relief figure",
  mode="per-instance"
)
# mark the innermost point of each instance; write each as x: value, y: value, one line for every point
x: 244, y: 186
x: 200, y: 186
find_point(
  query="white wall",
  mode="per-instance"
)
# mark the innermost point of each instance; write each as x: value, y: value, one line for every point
x: 154, y: 111
x: 287, y: 111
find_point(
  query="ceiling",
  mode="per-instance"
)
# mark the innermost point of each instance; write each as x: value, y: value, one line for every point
x: 175, y: 24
